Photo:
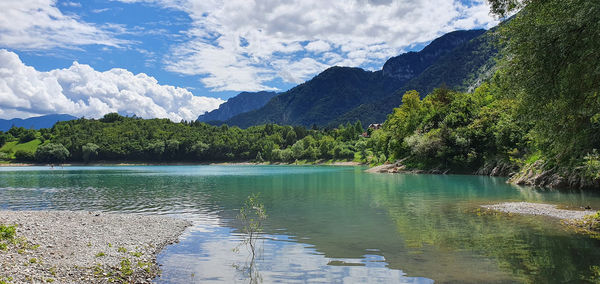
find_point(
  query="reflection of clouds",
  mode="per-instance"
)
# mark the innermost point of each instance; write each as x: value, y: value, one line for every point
x: 206, y: 256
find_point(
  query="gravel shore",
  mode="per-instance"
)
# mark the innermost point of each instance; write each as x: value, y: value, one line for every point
x: 540, y: 209
x: 85, y: 247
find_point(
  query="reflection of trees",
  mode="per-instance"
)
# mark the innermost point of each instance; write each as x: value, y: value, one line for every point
x: 532, y: 249
x: 423, y: 225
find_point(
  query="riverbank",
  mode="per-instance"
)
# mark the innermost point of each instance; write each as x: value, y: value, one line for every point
x: 84, y: 247
x: 238, y: 163
x: 532, y: 174
x: 540, y: 209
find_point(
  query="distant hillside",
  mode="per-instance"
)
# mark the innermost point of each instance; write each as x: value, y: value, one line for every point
x: 338, y: 90
x: 409, y: 65
x: 321, y: 99
x: 39, y: 122
x: 243, y: 102
x: 463, y: 69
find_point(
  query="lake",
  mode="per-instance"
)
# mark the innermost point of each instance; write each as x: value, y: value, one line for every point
x: 327, y: 224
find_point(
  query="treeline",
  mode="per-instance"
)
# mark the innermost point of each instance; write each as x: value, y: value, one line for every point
x: 456, y: 132
x: 119, y: 138
x: 537, y: 119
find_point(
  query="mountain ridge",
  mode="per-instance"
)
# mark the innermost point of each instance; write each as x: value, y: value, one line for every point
x: 242, y: 102
x: 38, y: 122
x: 338, y: 90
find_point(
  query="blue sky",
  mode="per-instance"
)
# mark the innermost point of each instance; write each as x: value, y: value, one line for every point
x: 180, y: 58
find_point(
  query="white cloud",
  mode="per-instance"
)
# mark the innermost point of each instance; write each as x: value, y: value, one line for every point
x: 359, y: 32
x: 82, y: 91
x: 71, y: 4
x: 318, y: 46
x: 40, y: 25
x: 297, y: 71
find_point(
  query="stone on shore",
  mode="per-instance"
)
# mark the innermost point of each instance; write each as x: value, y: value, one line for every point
x: 85, y: 247
x: 540, y: 209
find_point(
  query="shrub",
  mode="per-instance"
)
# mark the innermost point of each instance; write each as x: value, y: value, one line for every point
x: 22, y: 155
x: 52, y: 153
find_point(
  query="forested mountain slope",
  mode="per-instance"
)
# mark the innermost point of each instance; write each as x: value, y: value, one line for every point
x: 338, y: 90
x: 243, y: 102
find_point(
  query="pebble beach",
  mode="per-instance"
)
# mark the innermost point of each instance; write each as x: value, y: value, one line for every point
x: 85, y: 247
x: 540, y: 209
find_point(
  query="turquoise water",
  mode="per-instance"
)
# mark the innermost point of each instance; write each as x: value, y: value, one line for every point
x: 327, y: 224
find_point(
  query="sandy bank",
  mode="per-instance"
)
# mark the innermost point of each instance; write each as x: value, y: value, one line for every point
x: 540, y: 209
x: 85, y: 247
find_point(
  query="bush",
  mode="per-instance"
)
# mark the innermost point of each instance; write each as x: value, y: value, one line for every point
x: 111, y: 117
x: 287, y: 155
x: 7, y: 235
x: 89, y: 152
x: 592, y: 165
x: 22, y: 155
x: 27, y: 136
x: 52, y: 153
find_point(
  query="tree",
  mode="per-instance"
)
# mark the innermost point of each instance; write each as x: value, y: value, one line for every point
x: 3, y: 138
x: 111, y: 117
x: 200, y: 149
x: 553, y: 67
x: 290, y: 138
x: 27, y: 135
x: 22, y: 155
x: 504, y: 7
x: 358, y: 127
x: 259, y: 158
x: 298, y: 150
x: 51, y: 153
x: 89, y: 152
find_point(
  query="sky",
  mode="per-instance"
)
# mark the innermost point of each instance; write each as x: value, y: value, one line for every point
x: 177, y: 59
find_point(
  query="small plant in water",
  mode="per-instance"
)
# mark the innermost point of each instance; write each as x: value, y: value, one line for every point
x: 252, y: 216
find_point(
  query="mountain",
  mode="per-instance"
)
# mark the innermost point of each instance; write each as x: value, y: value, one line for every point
x: 321, y: 99
x: 463, y: 69
x: 243, y: 102
x: 46, y: 121
x: 338, y: 90
x: 409, y: 65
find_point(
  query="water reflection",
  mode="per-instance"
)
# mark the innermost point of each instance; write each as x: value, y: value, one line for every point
x: 327, y: 224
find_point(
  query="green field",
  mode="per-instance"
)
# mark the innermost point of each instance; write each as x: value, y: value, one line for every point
x: 11, y: 147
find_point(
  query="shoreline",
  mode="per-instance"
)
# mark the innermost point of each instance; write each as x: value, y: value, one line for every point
x: 540, y: 209
x: 81, y: 246
x: 239, y: 163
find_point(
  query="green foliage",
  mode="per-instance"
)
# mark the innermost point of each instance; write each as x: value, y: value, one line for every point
x: 11, y: 148
x: 7, y: 235
x: 590, y: 222
x: 89, y: 152
x: 3, y: 138
x: 52, y: 153
x: 23, y: 155
x: 27, y: 136
x: 252, y: 216
x: 454, y: 131
x: 592, y: 165
x: 134, y: 139
x: 553, y: 48
x: 504, y: 7
x: 112, y: 117
x: 7, y: 232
